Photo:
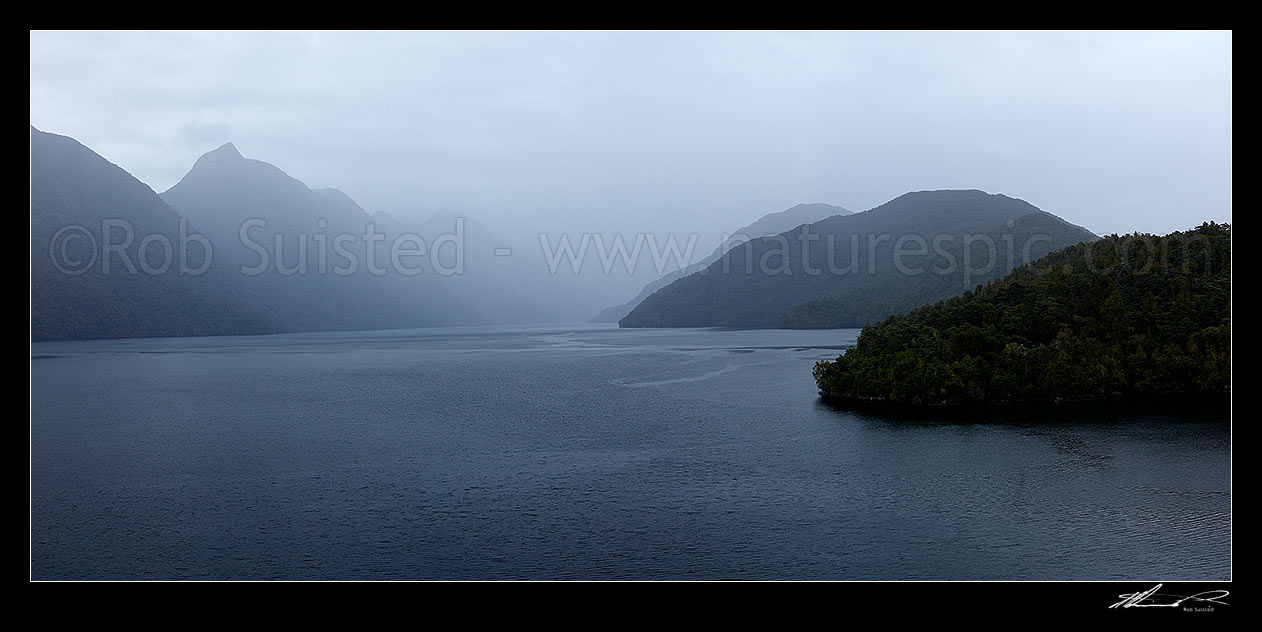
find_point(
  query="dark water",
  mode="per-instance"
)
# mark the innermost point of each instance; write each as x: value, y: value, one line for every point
x: 586, y: 453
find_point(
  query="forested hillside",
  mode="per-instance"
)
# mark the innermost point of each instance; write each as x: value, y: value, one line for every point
x: 1123, y: 315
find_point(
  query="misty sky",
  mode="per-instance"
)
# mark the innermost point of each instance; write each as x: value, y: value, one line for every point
x: 670, y: 132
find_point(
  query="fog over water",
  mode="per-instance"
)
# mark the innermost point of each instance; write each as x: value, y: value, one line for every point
x: 470, y: 306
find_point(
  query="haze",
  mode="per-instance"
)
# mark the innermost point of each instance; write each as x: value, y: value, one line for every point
x: 667, y: 132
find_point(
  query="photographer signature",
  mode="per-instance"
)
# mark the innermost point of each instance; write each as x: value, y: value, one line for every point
x: 1153, y: 599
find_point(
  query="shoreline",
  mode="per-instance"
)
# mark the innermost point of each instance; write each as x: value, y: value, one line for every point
x: 1169, y: 401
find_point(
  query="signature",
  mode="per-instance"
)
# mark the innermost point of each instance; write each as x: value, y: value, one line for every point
x: 1153, y: 599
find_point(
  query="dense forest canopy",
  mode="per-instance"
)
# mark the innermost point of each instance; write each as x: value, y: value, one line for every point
x: 1122, y: 315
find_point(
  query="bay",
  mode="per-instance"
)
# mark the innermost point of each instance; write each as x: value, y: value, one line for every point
x: 588, y: 452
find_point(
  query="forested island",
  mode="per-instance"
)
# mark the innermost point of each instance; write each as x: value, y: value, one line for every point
x: 1124, y: 315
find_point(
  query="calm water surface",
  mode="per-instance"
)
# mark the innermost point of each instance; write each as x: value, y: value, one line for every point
x: 587, y: 452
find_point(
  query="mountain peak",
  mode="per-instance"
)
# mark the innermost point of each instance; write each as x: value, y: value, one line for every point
x: 225, y: 154
x: 226, y: 150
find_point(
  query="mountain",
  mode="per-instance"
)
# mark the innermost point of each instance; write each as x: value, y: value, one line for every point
x: 318, y: 259
x: 452, y: 270
x: 1136, y: 314
x: 854, y: 270
x: 767, y: 225
x: 776, y: 223
x: 262, y: 253
x: 89, y: 277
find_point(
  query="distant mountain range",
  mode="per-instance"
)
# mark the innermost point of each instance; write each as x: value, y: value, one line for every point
x: 283, y: 257
x: 240, y: 247
x: 767, y: 225
x: 264, y: 224
x: 854, y: 270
